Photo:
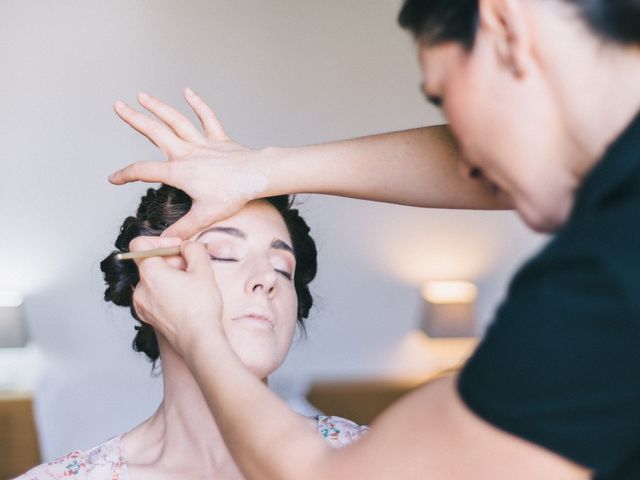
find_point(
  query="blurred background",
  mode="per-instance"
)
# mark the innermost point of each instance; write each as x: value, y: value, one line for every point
x: 277, y: 72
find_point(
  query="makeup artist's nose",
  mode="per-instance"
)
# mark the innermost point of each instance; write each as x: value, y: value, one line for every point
x: 262, y: 281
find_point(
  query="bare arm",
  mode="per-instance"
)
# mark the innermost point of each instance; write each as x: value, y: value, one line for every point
x: 430, y: 434
x: 414, y: 167
x: 418, y: 167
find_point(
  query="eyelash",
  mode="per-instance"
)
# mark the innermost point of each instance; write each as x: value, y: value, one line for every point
x: 218, y: 259
x: 286, y: 275
x: 436, y: 101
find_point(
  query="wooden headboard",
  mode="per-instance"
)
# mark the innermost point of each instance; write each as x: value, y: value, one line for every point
x: 19, y: 449
x: 362, y: 400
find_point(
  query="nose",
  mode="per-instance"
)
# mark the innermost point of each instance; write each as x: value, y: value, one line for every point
x: 262, y: 281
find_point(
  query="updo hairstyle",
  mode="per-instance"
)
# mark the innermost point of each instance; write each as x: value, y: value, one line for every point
x: 159, y: 208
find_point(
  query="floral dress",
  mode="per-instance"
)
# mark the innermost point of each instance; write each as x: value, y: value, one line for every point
x: 107, y: 460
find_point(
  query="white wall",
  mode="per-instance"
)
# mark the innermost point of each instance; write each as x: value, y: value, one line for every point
x: 277, y: 72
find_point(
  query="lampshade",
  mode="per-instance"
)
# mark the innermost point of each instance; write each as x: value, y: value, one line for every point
x: 449, y: 309
x: 13, y: 329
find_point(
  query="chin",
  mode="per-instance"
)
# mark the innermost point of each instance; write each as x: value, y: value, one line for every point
x: 546, y: 223
x: 544, y: 215
x: 260, y: 369
x: 260, y: 361
x: 261, y: 350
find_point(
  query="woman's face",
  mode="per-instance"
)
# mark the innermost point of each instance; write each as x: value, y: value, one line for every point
x: 503, y: 111
x: 253, y: 261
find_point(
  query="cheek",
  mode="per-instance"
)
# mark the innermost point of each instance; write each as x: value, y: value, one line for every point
x: 289, y: 311
x: 463, y: 100
x: 456, y: 110
x: 475, y: 100
x: 226, y: 280
x: 480, y: 108
x: 461, y: 109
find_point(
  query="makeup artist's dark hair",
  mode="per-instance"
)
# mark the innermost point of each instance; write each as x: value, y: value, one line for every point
x: 164, y: 206
x: 439, y: 21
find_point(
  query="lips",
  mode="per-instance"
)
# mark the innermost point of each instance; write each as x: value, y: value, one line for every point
x: 257, y: 316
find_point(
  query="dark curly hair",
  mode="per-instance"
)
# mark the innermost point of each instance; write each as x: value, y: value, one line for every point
x: 164, y: 206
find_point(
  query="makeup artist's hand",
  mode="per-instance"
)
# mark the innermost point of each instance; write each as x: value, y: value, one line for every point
x: 178, y: 296
x: 219, y: 174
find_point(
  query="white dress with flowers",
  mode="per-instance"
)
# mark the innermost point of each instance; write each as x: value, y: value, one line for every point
x: 108, y: 461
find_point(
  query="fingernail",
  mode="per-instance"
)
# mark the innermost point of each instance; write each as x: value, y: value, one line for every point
x: 118, y: 105
x: 144, y: 96
x: 189, y: 92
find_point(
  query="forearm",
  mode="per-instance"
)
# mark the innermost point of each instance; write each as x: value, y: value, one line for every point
x: 428, y: 434
x: 265, y: 437
x: 418, y: 167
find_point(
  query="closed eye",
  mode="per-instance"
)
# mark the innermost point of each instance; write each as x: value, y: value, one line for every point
x: 285, y: 274
x: 219, y: 259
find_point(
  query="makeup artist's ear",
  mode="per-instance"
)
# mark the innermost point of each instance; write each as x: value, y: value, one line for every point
x: 505, y: 23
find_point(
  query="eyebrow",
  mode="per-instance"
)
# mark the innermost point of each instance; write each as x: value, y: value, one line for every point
x: 235, y: 232
x: 280, y: 245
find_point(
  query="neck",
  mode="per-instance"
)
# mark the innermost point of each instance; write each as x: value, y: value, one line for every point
x: 593, y: 84
x: 182, y: 435
x: 597, y: 88
x: 599, y: 124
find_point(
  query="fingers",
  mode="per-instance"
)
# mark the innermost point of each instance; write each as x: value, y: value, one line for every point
x: 154, y: 172
x: 197, y: 258
x: 208, y: 119
x: 183, y: 228
x: 153, y: 267
x: 139, y: 301
x: 159, y: 134
x: 188, y: 225
x: 171, y: 117
x: 148, y: 242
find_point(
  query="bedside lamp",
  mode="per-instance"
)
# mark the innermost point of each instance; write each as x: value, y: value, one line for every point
x: 13, y: 328
x: 449, y: 308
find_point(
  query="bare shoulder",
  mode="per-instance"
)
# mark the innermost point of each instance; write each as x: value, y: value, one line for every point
x: 431, y: 434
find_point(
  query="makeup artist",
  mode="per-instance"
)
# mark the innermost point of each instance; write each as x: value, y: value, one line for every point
x: 543, y: 101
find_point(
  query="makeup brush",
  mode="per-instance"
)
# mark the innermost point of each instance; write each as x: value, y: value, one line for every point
x: 155, y: 252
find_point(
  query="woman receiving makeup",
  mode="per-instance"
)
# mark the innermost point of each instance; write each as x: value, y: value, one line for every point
x: 264, y: 259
